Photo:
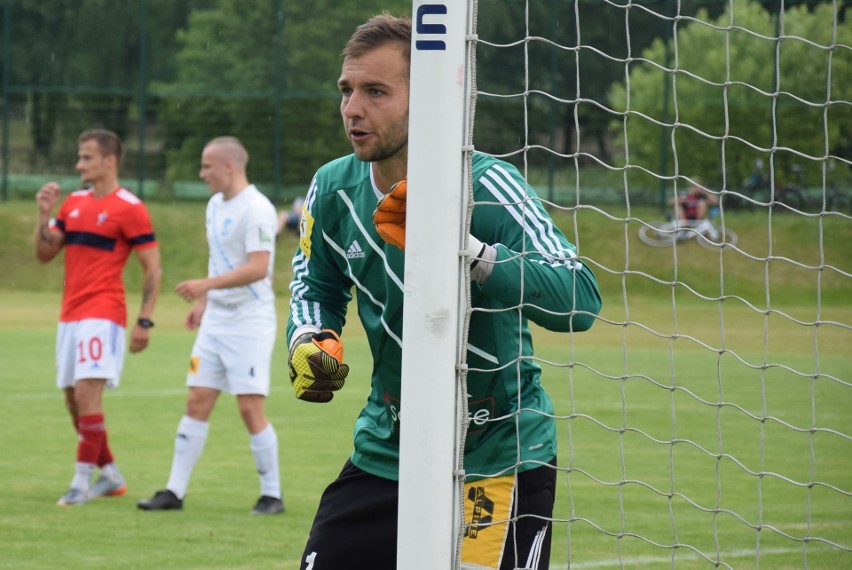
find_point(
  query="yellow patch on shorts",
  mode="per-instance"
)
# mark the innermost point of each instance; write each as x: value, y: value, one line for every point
x: 487, y: 506
x: 193, y: 364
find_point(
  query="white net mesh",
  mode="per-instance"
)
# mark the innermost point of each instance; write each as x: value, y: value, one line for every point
x: 705, y: 419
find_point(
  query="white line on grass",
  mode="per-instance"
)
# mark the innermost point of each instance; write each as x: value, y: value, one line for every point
x: 112, y: 394
x: 646, y: 560
x: 119, y: 393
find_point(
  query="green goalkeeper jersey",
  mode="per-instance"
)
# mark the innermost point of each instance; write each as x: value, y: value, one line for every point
x: 537, y: 276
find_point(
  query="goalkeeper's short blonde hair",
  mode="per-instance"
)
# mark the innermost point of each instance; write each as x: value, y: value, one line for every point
x: 378, y: 31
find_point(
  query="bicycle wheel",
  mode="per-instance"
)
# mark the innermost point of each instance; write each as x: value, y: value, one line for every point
x: 658, y: 234
x: 715, y: 242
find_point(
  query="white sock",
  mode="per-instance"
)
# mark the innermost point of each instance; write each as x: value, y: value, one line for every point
x: 264, y: 446
x: 82, y: 475
x: 110, y: 471
x: 189, y: 443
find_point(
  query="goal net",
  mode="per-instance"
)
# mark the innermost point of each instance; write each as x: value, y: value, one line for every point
x: 705, y: 419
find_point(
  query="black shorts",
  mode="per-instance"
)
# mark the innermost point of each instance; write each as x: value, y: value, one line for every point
x: 355, y: 527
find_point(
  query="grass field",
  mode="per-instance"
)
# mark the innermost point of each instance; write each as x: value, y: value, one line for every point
x: 214, y: 530
x: 685, y: 425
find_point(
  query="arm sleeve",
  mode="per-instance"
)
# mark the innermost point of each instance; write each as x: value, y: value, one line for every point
x: 559, y: 295
x: 260, y: 233
x: 536, y: 267
x: 138, y: 228
x: 320, y: 291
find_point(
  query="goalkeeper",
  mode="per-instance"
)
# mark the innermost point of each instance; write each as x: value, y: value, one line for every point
x: 522, y: 268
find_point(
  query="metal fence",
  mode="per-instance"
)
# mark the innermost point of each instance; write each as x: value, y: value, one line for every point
x: 72, y: 65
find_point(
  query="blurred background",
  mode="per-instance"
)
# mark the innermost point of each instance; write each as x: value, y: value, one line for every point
x: 167, y: 75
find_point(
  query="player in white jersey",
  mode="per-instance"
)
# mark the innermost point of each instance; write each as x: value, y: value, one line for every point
x: 233, y: 350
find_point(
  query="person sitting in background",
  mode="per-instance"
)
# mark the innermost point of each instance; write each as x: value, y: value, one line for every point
x: 291, y: 219
x: 694, y: 205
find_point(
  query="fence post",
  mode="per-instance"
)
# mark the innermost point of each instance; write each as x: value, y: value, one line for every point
x: 7, y: 64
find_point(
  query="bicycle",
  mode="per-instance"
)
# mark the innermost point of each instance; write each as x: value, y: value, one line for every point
x: 791, y: 194
x: 757, y: 191
x: 705, y: 232
x: 794, y: 196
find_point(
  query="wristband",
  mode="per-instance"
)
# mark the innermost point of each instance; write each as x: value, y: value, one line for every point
x: 145, y: 323
x: 478, y: 257
x: 480, y: 272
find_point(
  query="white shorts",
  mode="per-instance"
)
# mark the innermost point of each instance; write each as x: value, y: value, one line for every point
x: 236, y: 362
x: 91, y: 348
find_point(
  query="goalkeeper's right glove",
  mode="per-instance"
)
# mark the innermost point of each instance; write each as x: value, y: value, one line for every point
x: 316, y: 365
x: 389, y: 215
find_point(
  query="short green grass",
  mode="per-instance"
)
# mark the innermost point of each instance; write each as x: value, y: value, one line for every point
x: 215, y: 529
x: 624, y: 477
x: 685, y: 424
x: 667, y: 442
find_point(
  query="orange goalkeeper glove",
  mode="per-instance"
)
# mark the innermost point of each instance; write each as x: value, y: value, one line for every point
x: 389, y: 216
x: 316, y: 365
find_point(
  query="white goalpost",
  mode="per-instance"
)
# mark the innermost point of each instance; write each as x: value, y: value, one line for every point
x: 704, y: 421
x: 429, y: 482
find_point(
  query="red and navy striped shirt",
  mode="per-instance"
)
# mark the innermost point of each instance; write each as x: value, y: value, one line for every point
x: 99, y: 235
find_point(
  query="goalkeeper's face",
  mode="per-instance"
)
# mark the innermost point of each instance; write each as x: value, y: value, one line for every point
x: 374, y: 103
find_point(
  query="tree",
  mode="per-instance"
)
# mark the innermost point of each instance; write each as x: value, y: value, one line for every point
x: 723, y: 98
x: 78, y: 63
x: 264, y: 74
x: 569, y: 54
x: 37, y: 63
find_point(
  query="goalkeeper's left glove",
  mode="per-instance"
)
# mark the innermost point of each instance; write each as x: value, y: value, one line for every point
x: 389, y: 215
x: 316, y: 365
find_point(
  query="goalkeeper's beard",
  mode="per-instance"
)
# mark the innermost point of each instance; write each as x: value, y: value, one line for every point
x: 396, y: 142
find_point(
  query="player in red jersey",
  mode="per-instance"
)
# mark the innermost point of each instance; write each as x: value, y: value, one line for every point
x: 98, y: 227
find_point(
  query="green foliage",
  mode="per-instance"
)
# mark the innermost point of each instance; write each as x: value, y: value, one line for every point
x: 234, y: 64
x: 217, y: 56
x: 720, y: 96
x: 94, y: 46
x: 171, y: 74
x: 544, y: 69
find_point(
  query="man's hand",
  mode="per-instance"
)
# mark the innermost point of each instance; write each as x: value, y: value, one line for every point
x: 193, y: 318
x: 47, y: 197
x: 192, y: 289
x: 316, y: 366
x: 389, y: 216
x: 48, y: 241
x: 139, y: 338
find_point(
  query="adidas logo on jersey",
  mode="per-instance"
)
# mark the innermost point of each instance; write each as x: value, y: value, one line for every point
x: 355, y: 251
